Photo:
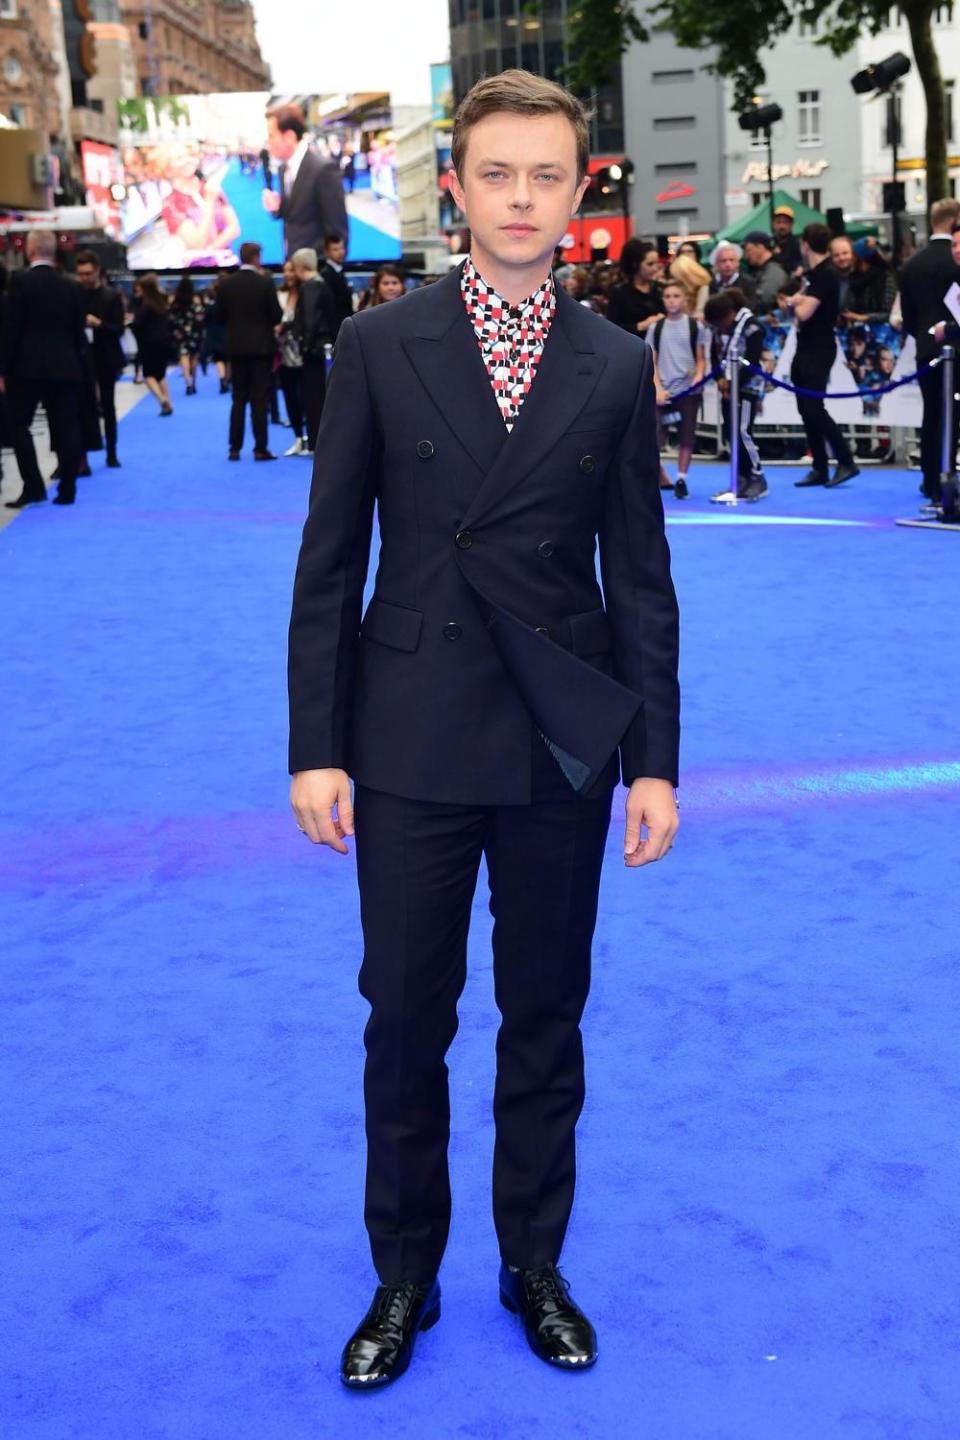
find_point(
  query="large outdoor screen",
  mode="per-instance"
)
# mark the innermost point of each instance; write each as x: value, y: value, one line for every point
x: 200, y: 178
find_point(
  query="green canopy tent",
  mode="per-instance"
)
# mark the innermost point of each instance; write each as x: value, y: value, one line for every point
x: 759, y: 219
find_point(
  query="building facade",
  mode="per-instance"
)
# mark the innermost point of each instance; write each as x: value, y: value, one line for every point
x: 487, y: 36
x: 29, y: 67
x: 833, y: 147
x: 190, y: 47
x: 674, y: 130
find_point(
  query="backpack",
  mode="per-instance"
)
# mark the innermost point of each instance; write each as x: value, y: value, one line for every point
x: 694, y: 335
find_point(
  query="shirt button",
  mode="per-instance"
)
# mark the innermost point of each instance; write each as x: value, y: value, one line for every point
x: 542, y: 630
x: 464, y: 539
x: 588, y: 464
x: 545, y: 549
x: 424, y: 449
x: 452, y: 631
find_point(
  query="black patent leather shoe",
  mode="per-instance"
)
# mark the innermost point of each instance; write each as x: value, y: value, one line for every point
x: 557, y: 1329
x: 379, y: 1350
x: 27, y: 498
x: 812, y: 477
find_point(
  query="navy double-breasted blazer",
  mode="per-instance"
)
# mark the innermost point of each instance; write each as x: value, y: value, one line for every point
x: 487, y: 622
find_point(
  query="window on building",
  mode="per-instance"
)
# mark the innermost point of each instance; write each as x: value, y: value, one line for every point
x: 811, y: 198
x: 17, y: 114
x: 808, y: 117
x: 8, y: 9
x: 948, y: 101
x: 672, y: 77
x: 807, y: 29
x: 675, y: 122
x: 676, y: 167
x: 691, y: 212
x: 943, y: 15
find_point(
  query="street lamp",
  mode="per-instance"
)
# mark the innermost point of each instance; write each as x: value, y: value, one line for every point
x: 877, y: 80
x: 762, y: 117
x: 620, y: 174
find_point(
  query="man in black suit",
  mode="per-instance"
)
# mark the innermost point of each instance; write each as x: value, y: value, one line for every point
x: 310, y: 201
x: 314, y: 328
x: 331, y: 271
x: 105, y: 321
x: 924, y: 281
x: 41, y: 363
x: 481, y: 704
x: 248, y: 307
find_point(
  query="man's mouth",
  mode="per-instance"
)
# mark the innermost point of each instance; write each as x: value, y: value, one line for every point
x: 520, y: 229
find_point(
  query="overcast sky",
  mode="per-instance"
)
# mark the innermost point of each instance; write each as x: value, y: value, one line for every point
x: 319, y: 47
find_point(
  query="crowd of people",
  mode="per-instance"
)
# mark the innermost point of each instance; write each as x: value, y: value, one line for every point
x: 270, y: 341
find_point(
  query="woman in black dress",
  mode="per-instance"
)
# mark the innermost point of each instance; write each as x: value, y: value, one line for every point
x: 636, y: 304
x: 187, y: 315
x: 155, y: 339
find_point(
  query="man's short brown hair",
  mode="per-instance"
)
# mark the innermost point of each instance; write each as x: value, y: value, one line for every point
x: 250, y: 252
x: 943, y: 210
x: 288, y: 117
x: 519, y: 93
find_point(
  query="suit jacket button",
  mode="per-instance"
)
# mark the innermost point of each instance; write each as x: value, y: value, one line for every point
x: 424, y: 449
x: 587, y: 464
x: 542, y: 630
x: 452, y: 631
x: 545, y: 549
x: 464, y: 539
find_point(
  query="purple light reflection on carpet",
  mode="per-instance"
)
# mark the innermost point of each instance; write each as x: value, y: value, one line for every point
x: 182, y: 846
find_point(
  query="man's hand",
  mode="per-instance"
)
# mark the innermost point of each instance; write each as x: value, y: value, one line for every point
x: 650, y: 803
x: 313, y: 796
x: 938, y: 331
x: 93, y: 321
x: 271, y: 201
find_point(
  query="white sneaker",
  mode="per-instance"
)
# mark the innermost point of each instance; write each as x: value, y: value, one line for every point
x: 296, y: 448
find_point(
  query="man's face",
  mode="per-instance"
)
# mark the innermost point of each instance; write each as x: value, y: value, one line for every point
x: 782, y: 226
x: 87, y: 275
x: 841, y: 253
x: 674, y: 300
x: 955, y: 246
x: 519, y: 185
x: 755, y: 252
x: 336, y: 251
x: 280, y: 143
x: 726, y: 266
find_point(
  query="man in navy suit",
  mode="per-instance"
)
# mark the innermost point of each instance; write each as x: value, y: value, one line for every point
x: 489, y: 699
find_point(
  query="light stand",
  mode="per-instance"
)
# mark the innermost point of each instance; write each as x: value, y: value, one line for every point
x: 762, y: 118
x: 881, y: 80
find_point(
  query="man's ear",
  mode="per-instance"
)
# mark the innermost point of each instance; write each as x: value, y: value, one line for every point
x: 456, y: 190
x: 579, y: 193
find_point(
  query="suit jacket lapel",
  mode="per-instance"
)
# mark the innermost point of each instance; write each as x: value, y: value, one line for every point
x: 444, y: 352
x: 566, y: 377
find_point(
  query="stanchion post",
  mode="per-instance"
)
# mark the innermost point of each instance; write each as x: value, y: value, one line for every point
x: 733, y: 375
x: 948, y: 453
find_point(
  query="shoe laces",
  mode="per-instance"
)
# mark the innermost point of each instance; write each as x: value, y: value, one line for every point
x: 393, y: 1302
x: 547, y: 1284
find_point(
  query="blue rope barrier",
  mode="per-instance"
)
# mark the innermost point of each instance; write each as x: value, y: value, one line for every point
x: 693, y: 389
x: 842, y: 394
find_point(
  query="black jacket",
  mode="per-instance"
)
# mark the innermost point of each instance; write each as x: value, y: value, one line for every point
x: 339, y: 288
x: 487, y: 622
x: 248, y: 308
x: 43, y: 331
x: 316, y: 206
x: 924, y: 280
x: 107, y: 304
x: 314, y: 319
x: 153, y: 330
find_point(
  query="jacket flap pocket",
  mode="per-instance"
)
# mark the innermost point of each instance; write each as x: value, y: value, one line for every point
x: 392, y: 625
x: 590, y: 632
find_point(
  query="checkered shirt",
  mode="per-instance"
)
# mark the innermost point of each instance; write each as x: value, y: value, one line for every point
x: 511, y: 337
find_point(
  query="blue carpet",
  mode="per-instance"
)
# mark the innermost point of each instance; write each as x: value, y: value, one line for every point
x: 766, y: 1228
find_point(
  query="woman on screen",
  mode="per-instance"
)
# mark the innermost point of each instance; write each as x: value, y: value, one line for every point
x: 195, y: 211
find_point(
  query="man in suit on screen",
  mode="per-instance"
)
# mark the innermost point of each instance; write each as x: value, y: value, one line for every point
x: 310, y: 201
x: 924, y: 281
x: 487, y: 702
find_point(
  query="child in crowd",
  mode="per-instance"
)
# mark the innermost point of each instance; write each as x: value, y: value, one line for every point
x: 678, y: 363
x: 739, y: 332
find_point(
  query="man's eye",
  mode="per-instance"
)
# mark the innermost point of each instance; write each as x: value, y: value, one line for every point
x: 547, y: 176
x: 493, y: 175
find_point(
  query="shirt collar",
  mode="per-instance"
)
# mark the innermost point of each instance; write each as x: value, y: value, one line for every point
x: 489, y: 312
x: 293, y: 164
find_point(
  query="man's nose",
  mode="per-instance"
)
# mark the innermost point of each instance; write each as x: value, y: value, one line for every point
x: 521, y: 198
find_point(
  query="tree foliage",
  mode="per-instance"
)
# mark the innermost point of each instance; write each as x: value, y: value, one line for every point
x: 737, y: 32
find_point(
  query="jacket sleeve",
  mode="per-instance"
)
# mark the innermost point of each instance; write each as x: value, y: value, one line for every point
x: 331, y: 204
x: 639, y: 594
x: 12, y: 329
x: 908, y: 308
x: 332, y: 568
